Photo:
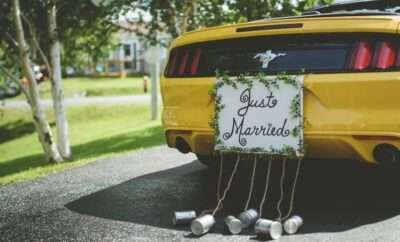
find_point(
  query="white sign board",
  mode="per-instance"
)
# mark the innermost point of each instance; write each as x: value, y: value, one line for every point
x: 260, y: 115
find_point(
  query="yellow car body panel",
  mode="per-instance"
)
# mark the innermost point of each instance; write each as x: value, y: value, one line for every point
x: 347, y: 114
x: 377, y: 24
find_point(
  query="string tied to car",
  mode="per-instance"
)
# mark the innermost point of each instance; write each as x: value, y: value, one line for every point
x: 261, y: 117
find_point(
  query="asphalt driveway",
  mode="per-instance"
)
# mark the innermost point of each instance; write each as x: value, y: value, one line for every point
x: 132, y: 198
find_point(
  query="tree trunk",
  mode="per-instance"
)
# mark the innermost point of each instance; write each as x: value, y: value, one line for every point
x: 39, y: 118
x: 190, y: 10
x: 173, y: 21
x: 56, y: 87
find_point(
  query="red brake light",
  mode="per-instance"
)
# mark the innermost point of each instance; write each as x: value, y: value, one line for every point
x: 362, y: 56
x: 385, y: 55
x: 398, y: 58
x: 195, y: 63
x: 171, y: 66
x: 182, y: 67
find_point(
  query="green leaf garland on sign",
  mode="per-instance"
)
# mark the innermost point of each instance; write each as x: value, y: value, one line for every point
x: 245, y: 79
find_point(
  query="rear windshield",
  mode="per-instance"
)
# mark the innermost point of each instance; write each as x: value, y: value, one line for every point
x: 312, y: 53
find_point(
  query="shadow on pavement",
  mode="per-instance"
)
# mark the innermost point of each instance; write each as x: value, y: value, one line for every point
x: 331, y: 196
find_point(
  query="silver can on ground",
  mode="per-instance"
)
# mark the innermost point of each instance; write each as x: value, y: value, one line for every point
x: 202, y: 225
x: 293, y: 224
x: 248, y: 217
x: 182, y: 218
x: 233, y: 224
x: 266, y: 227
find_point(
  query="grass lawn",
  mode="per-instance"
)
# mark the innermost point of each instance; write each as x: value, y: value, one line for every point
x: 95, y: 131
x: 92, y: 86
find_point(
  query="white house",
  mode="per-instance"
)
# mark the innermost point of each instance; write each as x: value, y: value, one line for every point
x: 128, y: 58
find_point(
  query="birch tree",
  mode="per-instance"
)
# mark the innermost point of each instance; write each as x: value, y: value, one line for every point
x: 56, y: 85
x: 47, y: 30
x: 39, y: 118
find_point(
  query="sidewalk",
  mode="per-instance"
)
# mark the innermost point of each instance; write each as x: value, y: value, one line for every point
x: 84, y: 101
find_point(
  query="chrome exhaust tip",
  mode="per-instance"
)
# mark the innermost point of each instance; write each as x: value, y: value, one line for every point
x: 182, y: 145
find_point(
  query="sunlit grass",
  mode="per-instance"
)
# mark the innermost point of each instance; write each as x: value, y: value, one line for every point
x: 95, y: 132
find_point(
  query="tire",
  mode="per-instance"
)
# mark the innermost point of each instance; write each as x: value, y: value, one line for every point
x: 207, y: 160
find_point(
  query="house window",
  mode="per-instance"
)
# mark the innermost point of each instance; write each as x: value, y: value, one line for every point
x: 127, y: 50
x: 128, y: 65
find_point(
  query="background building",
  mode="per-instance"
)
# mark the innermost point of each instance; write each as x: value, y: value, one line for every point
x: 128, y: 57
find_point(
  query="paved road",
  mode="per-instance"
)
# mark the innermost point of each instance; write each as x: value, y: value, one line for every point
x: 131, y: 198
x: 84, y: 101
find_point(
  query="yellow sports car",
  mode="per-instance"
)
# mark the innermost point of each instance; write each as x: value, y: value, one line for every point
x: 351, y: 62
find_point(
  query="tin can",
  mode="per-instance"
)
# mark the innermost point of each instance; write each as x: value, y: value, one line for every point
x: 202, y: 225
x: 267, y: 227
x: 248, y: 217
x: 293, y: 224
x: 233, y: 224
x: 183, y: 217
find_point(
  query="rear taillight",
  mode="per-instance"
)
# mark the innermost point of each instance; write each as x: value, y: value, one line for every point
x: 362, y: 56
x: 370, y: 53
x: 195, y: 63
x: 184, y: 62
x: 398, y: 58
x: 171, y: 65
x: 384, y: 56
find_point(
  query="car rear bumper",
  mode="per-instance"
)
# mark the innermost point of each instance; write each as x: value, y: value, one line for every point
x: 319, y: 146
x: 347, y: 115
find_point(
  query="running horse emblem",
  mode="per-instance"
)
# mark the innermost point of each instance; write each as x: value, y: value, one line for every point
x: 267, y: 57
